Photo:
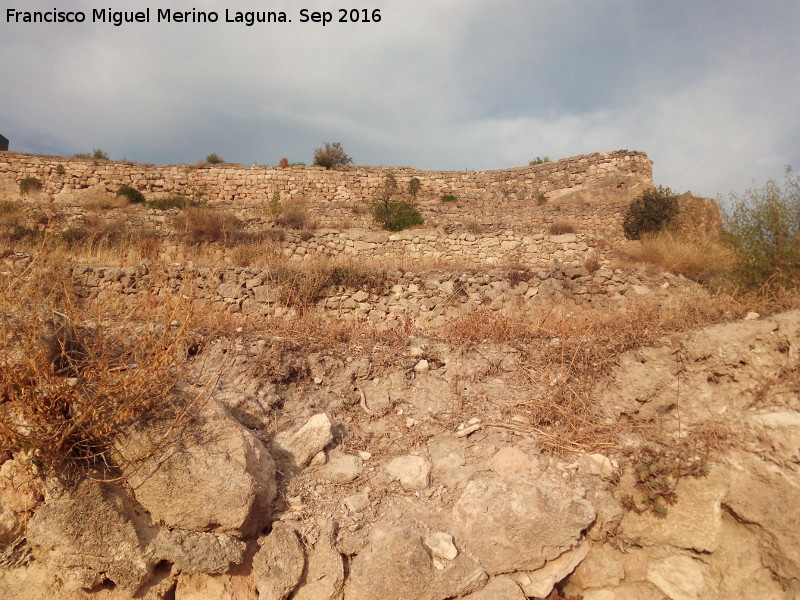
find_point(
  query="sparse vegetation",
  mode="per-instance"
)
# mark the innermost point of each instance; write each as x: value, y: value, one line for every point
x: 201, y: 225
x: 651, y: 212
x: 28, y: 185
x: 331, y: 155
x: 294, y: 214
x: 169, y: 202
x: 97, y: 154
x: 449, y: 198
x: 214, y: 159
x: 561, y: 227
x: 762, y: 228
x: 539, y: 160
x: 657, y: 474
x: 541, y: 199
x: 283, y: 163
x: 60, y: 170
x: 132, y: 195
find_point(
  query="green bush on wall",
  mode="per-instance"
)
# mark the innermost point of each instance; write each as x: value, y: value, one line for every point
x: 133, y: 195
x: 29, y: 184
x: 650, y: 212
x: 449, y: 198
x: 396, y: 216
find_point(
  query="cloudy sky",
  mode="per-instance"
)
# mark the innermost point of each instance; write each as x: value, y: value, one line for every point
x: 709, y: 89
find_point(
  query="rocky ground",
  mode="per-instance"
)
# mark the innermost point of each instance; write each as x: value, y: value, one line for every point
x: 419, y: 468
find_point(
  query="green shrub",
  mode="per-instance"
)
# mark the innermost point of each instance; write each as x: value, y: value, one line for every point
x: 133, y: 195
x: 762, y: 226
x: 541, y: 199
x: 654, y: 210
x: 60, y: 170
x: 396, y: 216
x: 168, y: 202
x: 332, y: 155
x: 414, y: 186
x: 29, y: 184
x: 274, y: 207
x: 97, y: 154
x: 539, y: 160
x: 214, y: 159
x: 449, y: 198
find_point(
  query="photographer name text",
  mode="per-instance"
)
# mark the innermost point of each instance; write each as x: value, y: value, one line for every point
x: 119, y: 18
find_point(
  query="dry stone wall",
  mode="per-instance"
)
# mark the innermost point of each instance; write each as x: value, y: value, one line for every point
x: 618, y: 175
x: 390, y: 299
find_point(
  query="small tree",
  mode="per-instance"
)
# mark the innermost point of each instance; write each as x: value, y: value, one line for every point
x: 332, y: 155
x: 413, y: 187
x: 650, y: 212
x: 762, y: 226
x: 214, y: 159
x: 99, y: 154
x: 393, y: 215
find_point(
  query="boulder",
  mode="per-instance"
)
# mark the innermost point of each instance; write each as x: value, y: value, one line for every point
x: 196, y: 552
x: 518, y: 524
x: 90, y: 534
x: 396, y: 563
x: 209, y: 474
x: 324, y: 574
x: 279, y: 563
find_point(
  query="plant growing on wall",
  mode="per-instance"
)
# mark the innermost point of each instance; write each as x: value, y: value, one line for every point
x: 650, y: 212
x: 214, y: 159
x: 332, y: 155
x: 133, y: 195
x: 394, y: 215
x: 540, y: 160
x: 29, y: 184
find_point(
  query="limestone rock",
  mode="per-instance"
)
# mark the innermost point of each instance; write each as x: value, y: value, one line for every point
x: 498, y: 588
x: 19, y: 494
x: 602, y: 567
x: 195, y: 552
x: 518, y: 524
x: 279, y: 563
x: 212, y: 473
x: 441, y: 545
x: 324, y: 574
x: 511, y: 462
x: 397, y: 558
x: 87, y: 535
x: 679, y: 577
x: 596, y: 464
x: 693, y: 522
x: 413, y: 472
x: 541, y: 582
x: 342, y: 469
x: 200, y: 586
x: 311, y: 438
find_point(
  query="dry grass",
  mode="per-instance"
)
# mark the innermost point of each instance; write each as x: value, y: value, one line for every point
x: 203, y: 225
x: 561, y: 227
x: 566, y: 351
x: 75, y: 374
x: 701, y: 259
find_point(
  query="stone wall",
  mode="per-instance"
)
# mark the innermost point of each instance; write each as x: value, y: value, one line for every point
x: 389, y: 297
x: 618, y: 175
